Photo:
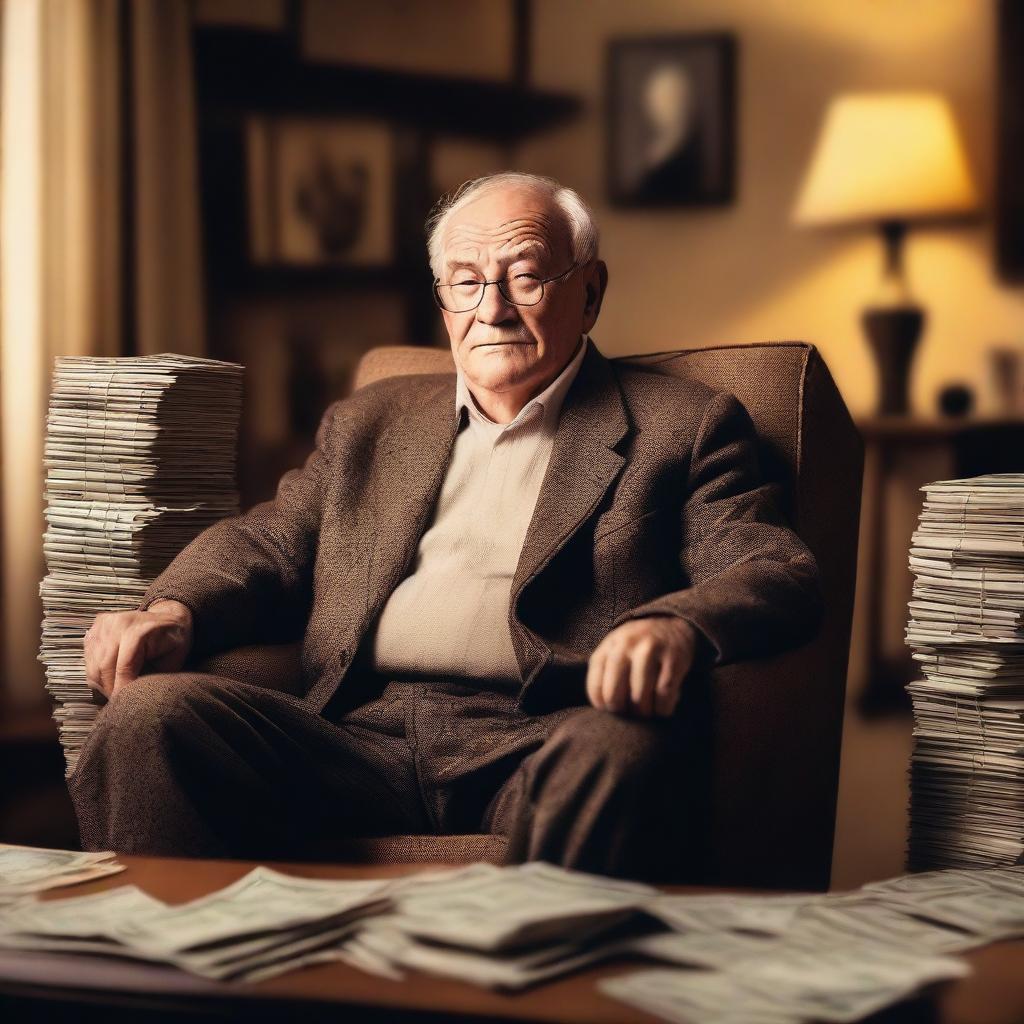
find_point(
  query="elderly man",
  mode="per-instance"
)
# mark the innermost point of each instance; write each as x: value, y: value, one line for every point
x: 505, y: 578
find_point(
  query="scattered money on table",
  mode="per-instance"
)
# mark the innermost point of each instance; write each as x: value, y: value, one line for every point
x: 264, y: 918
x: 78, y: 924
x: 28, y: 869
x: 493, y: 909
x: 726, y: 957
x: 967, y: 632
x: 139, y: 459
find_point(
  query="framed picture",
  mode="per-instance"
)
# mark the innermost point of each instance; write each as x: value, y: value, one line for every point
x: 321, y: 192
x: 672, y: 120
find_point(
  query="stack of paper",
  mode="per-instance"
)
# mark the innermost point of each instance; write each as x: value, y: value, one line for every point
x: 967, y: 632
x: 140, y: 457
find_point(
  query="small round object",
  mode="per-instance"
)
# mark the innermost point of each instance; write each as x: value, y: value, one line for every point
x: 956, y: 400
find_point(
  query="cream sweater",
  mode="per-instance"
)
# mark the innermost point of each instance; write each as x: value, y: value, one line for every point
x: 450, y: 616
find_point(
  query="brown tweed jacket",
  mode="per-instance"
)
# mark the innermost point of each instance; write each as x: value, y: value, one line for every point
x: 641, y: 512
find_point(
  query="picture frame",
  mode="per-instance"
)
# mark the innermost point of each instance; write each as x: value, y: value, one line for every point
x: 671, y: 120
x: 321, y: 193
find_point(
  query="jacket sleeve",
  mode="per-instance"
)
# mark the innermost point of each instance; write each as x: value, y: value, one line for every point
x: 754, y: 585
x: 248, y: 578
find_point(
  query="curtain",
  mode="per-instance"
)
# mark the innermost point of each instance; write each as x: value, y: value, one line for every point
x: 99, y: 240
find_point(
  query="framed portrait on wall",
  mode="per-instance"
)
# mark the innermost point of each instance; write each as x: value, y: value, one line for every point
x: 321, y: 192
x: 671, y: 120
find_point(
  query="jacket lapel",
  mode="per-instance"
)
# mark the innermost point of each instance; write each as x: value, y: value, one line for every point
x: 582, y: 466
x: 409, y: 468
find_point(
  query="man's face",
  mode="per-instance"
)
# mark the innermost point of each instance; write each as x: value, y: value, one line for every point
x: 501, y: 347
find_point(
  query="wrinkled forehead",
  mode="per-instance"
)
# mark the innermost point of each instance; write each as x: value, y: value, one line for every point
x: 504, y: 226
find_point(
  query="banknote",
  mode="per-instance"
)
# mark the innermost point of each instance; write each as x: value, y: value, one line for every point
x: 261, y: 901
x: 788, y: 985
x: 77, y: 924
x: 29, y: 869
x: 491, y: 909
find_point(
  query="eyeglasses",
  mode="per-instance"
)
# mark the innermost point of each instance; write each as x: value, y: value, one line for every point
x: 520, y: 290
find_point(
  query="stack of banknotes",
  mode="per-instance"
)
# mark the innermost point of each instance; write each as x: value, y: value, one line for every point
x: 28, y: 869
x: 140, y: 457
x: 967, y: 632
x: 728, y: 957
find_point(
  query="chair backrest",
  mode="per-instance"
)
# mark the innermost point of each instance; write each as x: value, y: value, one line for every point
x: 777, y: 723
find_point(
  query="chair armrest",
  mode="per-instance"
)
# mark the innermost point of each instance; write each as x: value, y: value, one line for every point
x: 272, y: 666
x: 774, y: 725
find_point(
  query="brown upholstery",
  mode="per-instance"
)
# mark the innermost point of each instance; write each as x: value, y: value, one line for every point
x: 776, y: 722
x: 410, y: 850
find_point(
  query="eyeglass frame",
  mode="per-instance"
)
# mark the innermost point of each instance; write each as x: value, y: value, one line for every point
x: 501, y: 291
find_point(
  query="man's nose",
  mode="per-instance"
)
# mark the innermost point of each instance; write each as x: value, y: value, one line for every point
x: 494, y: 308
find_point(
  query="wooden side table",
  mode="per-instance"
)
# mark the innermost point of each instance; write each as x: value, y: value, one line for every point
x: 901, y: 454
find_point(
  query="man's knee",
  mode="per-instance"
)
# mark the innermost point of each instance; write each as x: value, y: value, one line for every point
x: 601, y: 794
x: 159, y: 706
x: 628, y: 746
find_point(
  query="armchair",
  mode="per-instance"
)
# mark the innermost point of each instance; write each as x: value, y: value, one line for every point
x: 775, y: 723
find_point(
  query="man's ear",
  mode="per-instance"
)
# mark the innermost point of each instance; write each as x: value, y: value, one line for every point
x: 593, y: 293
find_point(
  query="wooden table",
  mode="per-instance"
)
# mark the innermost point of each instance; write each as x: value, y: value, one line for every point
x: 46, y: 986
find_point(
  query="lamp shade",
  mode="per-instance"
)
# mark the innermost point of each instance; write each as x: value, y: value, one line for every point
x: 886, y: 157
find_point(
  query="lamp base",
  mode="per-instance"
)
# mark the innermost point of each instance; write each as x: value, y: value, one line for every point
x: 893, y: 334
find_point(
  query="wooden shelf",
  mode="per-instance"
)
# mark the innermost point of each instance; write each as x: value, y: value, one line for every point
x: 240, y: 73
x: 909, y: 428
x: 258, y: 72
x: 291, y: 278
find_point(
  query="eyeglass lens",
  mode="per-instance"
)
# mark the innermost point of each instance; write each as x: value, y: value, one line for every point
x: 462, y: 296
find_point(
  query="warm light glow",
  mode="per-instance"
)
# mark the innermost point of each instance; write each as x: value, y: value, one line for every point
x: 886, y: 156
x: 23, y: 349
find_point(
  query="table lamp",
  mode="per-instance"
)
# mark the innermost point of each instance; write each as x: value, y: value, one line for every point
x: 888, y: 159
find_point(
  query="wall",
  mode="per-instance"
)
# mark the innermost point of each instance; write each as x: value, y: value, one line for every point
x: 742, y: 272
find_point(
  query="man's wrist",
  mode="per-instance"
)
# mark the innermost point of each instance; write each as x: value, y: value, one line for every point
x: 685, y: 627
x: 175, y: 609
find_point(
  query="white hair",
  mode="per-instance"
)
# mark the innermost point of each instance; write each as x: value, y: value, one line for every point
x: 579, y: 217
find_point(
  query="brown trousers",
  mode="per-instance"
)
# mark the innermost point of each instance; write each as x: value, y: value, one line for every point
x: 191, y: 764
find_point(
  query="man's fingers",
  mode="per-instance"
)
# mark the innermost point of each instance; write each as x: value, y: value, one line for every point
x: 92, y: 676
x: 640, y: 666
x: 130, y: 656
x: 615, y: 681
x: 643, y: 675
x: 92, y: 649
x: 595, y: 673
x: 117, y: 644
x: 666, y: 689
x: 106, y: 667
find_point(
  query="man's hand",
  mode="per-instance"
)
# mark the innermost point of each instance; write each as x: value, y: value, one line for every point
x: 119, y: 644
x: 640, y: 666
